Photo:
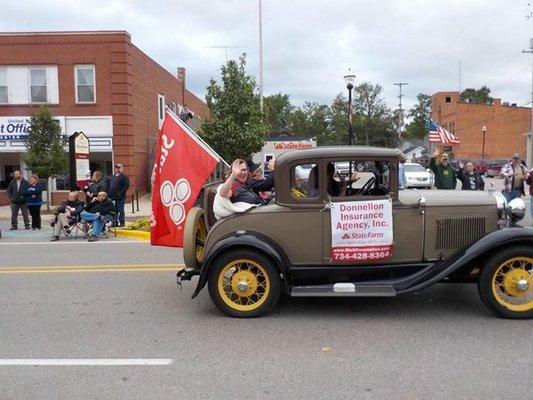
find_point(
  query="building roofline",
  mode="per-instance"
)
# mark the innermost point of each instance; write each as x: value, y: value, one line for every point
x: 65, y: 33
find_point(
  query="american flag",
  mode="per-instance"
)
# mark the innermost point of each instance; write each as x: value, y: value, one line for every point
x: 439, y: 134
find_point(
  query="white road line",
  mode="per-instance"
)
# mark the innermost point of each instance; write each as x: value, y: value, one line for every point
x: 84, y: 361
x: 59, y: 243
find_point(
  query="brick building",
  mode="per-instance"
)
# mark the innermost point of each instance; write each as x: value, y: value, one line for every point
x: 96, y: 82
x: 507, y: 126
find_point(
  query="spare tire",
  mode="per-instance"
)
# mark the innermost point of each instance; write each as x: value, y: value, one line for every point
x: 194, y: 236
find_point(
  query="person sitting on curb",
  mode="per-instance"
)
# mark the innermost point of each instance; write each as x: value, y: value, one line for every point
x: 445, y: 177
x: 98, y: 211
x: 470, y: 178
x: 67, y: 214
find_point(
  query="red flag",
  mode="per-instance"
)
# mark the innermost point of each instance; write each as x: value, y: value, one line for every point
x: 183, y: 162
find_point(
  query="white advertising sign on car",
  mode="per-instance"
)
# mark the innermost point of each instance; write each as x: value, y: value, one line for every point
x: 361, y: 231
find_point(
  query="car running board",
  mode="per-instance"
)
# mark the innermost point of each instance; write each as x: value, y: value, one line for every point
x: 344, y: 289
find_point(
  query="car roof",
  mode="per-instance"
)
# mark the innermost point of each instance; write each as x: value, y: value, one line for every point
x: 337, y: 151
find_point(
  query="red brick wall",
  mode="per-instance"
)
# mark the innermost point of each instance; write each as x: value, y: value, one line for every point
x: 505, y: 126
x: 127, y: 83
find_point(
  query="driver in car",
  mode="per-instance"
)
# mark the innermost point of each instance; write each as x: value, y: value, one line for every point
x: 336, y: 188
x: 242, y: 187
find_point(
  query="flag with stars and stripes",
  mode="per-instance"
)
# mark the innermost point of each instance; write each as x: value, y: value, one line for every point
x: 439, y: 134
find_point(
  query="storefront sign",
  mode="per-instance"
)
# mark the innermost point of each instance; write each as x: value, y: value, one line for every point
x: 294, y: 145
x: 361, y: 231
x: 79, y: 151
x: 16, y: 128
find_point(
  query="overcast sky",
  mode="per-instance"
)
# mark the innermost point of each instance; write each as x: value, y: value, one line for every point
x: 309, y: 45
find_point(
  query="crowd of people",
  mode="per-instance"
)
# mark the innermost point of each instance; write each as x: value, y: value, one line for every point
x: 105, y: 203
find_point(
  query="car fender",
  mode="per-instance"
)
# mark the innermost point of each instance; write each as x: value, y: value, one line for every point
x: 486, y: 245
x: 242, y: 240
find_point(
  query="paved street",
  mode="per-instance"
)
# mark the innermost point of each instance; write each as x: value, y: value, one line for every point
x: 59, y: 303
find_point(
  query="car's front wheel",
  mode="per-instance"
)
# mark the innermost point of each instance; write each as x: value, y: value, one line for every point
x: 506, y: 283
x: 244, y: 284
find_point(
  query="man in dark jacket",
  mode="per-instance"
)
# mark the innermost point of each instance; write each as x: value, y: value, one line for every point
x: 67, y: 214
x: 118, y: 187
x: 98, y: 211
x: 445, y: 177
x: 16, y: 192
x: 470, y: 178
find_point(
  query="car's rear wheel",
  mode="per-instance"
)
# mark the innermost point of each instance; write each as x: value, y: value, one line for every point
x: 194, y: 236
x: 506, y: 283
x: 244, y: 284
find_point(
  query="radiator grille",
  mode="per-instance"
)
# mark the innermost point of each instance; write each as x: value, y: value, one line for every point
x: 455, y: 233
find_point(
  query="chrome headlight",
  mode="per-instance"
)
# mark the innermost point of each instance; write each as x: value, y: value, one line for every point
x: 501, y: 202
x: 516, y: 209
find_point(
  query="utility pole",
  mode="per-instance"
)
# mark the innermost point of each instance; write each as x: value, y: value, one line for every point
x: 400, y: 111
x: 260, y: 56
x: 530, y: 149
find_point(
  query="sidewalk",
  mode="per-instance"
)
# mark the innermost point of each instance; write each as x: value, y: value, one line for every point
x: 143, y: 212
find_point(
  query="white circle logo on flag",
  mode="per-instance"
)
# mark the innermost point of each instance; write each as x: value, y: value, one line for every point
x: 173, y: 197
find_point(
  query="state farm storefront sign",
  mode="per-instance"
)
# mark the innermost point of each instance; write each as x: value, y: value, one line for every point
x: 293, y: 145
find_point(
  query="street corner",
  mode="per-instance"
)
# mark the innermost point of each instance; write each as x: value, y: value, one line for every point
x: 133, y: 234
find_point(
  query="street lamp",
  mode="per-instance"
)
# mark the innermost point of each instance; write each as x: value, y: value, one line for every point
x: 483, y: 131
x: 350, y: 81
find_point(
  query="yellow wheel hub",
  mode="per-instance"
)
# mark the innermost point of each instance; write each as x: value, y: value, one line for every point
x: 512, y: 284
x: 243, y: 285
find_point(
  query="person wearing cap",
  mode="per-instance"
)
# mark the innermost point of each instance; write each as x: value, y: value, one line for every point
x: 469, y: 177
x: 118, y: 188
x: 445, y: 177
x: 514, y: 174
x: 242, y: 187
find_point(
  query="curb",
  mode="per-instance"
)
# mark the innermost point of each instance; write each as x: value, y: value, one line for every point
x: 138, y: 235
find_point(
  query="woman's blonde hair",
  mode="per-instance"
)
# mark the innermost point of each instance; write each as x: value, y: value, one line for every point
x: 35, y: 176
x: 97, y: 175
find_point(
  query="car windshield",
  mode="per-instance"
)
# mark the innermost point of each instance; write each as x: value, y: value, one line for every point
x: 414, y: 168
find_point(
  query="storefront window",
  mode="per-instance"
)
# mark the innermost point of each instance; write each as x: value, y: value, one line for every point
x: 85, y: 84
x: 38, y: 85
x: 3, y: 85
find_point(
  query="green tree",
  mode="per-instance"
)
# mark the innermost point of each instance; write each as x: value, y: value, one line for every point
x: 477, y: 96
x: 374, y: 122
x: 278, y: 108
x: 236, y: 128
x: 337, y: 117
x: 45, y: 154
x: 309, y: 120
x: 419, y: 115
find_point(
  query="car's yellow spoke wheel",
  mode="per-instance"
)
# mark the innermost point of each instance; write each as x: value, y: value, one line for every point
x: 243, y: 284
x: 200, y: 237
x: 512, y: 284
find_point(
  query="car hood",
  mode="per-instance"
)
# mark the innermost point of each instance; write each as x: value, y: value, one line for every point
x: 447, y: 197
x: 421, y: 174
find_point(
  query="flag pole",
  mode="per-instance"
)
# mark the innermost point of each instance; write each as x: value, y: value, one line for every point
x: 193, y: 134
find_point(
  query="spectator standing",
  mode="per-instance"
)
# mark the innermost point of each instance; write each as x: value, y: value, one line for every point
x: 67, y: 214
x: 98, y: 184
x: 34, y: 201
x: 529, y: 181
x: 98, y: 211
x: 16, y: 191
x: 445, y: 177
x: 118, y: 187
x: 514, y: 174
x: 469, y: 177
x: 401, y: 172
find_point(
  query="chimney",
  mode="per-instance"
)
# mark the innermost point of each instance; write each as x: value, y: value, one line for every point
x: 181, y: 78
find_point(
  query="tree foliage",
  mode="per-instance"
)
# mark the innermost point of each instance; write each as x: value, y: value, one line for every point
x: 278, y: 109
x: 45, y: 154
x: 477, y: 96
x: 419, y: 115
x: 236, y: 128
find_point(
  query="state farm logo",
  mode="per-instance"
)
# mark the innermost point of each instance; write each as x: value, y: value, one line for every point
x: 174, y: 196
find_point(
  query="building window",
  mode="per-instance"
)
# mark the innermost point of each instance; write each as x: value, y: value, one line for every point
x: 85, y: 83
x: 3, y: 85
x: 160, y: 108
x: 448, y: 99
x: 38, y: 92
